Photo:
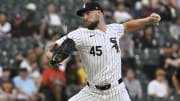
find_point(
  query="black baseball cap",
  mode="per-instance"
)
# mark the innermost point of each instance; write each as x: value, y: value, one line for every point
x: 89, y: 7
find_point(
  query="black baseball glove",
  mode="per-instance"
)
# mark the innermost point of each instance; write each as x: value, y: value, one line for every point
x: 60, y: 53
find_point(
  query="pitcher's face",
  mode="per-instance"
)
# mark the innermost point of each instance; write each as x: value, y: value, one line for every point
x: 91, y: 19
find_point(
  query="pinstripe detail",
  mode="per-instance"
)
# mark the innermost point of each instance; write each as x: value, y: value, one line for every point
x: 118, y: 93
x: 103, y: 69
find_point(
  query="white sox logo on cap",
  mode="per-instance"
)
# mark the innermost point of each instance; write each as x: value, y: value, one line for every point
x: 84, y: 6
x: 89, y: 7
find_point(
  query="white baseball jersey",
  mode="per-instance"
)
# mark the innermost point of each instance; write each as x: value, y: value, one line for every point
x: 99, y: 52
x: 101, y: 55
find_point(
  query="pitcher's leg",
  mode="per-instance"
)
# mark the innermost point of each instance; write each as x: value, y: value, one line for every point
x: 84, y: 95
x: 118, y: 93
x: 124, y: 95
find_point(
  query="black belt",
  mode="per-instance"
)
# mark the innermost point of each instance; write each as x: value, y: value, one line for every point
x: 105, y: 87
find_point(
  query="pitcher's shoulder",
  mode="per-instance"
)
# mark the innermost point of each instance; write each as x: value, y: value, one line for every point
x: 114, y: 25
x: 79, y: 31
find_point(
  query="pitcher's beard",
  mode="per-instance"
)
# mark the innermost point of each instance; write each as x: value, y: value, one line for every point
x: 91, y: 25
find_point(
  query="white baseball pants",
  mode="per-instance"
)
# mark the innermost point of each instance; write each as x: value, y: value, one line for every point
x: 116, y: 93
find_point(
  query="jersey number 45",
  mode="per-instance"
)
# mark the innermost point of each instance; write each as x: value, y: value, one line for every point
x: 96, y: 50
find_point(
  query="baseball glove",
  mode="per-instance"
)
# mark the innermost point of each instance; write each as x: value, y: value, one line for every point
x: 60, y: 53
